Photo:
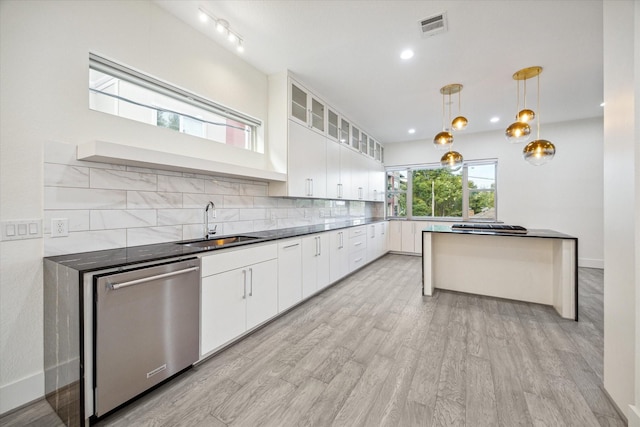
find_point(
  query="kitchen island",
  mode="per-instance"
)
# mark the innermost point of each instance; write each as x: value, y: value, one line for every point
x: 540, y: 266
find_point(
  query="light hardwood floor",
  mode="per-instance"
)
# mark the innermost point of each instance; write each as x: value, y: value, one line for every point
x: 371, y: 351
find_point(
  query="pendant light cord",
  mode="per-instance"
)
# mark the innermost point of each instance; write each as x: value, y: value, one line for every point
x: 538, y: 106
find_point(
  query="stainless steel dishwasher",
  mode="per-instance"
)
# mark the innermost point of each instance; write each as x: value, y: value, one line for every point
x: 146, y: 325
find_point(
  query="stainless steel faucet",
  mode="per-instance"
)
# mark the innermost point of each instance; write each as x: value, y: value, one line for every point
x: 207, y: 232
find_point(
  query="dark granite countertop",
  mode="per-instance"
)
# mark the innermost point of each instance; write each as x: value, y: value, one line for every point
x: 111, y: 258
x: 538, y: 233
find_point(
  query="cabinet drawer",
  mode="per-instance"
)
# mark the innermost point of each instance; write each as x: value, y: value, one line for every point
x: 357, y: 243
x: 357, y: 231
x: 231, y: 259
x: 357, y: 259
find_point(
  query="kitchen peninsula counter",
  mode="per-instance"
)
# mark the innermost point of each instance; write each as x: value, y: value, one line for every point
x: 540, y: 266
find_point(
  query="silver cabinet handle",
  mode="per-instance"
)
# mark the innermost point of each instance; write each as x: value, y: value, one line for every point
x: 359, y: 259
x: 250, y: 282
x: 373, y: 231
x: 244, y: 283
x: 290, y: 246
x: 357, y: 244
x: 116, y: 286
x: 319, y: 246
x: 311, y: 187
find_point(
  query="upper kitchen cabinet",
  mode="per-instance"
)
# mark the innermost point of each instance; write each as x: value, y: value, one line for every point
x: 306, y: 109
x: 307, y: 175
x: 305, y: 133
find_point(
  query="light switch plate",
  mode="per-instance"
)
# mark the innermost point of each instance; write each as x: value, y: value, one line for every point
x: 21, y: 229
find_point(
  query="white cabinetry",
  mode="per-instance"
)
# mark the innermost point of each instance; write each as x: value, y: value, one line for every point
x: 307, y: 175
x: 376, y: 178
x: 357, y: 247
x: 324, y: 154
x: 376, y: 240
x: 338, y: 171
x: 412, y: 236
x: 289, y: 273
x: 338, y: 255
x: 315, y: 263
x: 306, y: 108
x: 239, y: 292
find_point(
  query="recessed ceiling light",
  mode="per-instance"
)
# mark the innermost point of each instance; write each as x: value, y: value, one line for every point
x: 494, y: 119
x: 412, y: 131
x: 406, y: 54
x: 203, y: 17
x: 602, y: 105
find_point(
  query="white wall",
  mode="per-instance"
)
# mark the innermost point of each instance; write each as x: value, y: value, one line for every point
x: 44, y: 48
x: 622, y: 202
x: 564, y: 195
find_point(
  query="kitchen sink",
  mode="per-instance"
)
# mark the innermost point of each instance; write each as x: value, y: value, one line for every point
x: 222, y: 241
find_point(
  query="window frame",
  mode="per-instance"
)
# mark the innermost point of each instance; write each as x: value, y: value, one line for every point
x: 122, y: 72
x: 465, y: 191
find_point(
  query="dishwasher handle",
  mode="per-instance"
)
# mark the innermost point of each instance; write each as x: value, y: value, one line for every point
x: 116, y: 286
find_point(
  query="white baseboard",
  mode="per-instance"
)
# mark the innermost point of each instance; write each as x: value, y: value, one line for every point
x: 21, y: 392
x: 590, y: 263
x: 634, y: 416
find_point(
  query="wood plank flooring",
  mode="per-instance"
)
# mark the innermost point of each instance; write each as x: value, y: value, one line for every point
x: 371, y: 351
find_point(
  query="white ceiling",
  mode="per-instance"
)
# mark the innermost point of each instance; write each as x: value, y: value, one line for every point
x: 348, y: 52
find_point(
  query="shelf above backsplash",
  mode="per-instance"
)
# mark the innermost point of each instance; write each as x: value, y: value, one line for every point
x: 109, y: 152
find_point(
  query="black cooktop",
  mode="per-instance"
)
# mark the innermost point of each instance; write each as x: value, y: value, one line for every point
x: 496, y: 228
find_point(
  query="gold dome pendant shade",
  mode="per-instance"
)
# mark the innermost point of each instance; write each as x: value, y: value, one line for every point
x: 539, y: 152
x: 526, y: 115
x: 452, y: 160
x: 459, y: 123
x: 443, y: 140
x: 517, y: 132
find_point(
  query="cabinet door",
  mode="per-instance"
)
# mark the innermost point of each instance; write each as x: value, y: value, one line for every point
x: 346, y: 186
x: 289, y: 273
x: 383, y: 243
x: 372, y: 242
x: 335, y: 189
x: 333, y: 125
x: 338, y: 256
x: 364, y: 143
x: 307, y: 169
x: 262, y: 292
x: 376, y: 176
x: 298, y: 104
x: 359, y: 176
x: 323, y: 260
x: 309, y: 265
x: 395, y: 236
x: 317, y: 115
x: 345, y: 131
x: 355, y: 138
x: 223, y: 309
x: 408, y: 236
x: 417, y: 236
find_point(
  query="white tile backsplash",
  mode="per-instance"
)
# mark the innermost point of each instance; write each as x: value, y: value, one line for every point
x: 153, y: 200
x: 123, y: 180
x: 123, y: 218
x: 56, y: 175
x: 83, y: 198
x: 110, y: 206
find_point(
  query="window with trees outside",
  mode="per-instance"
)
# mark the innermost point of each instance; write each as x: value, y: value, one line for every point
x: 431, y: 191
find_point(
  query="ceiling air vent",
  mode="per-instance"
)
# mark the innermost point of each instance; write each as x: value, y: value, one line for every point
x: 434, y: 25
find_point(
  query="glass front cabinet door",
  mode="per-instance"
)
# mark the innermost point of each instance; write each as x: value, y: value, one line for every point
x: 306, y: 108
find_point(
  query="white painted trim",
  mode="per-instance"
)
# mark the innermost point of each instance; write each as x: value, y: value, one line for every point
x: 634, y: 416
x: 590, y: 263
x: 21, y: 392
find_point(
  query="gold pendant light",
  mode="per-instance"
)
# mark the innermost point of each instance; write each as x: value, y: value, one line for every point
x: 444, y: 139
x: 452, y: 160
x: 540, y: 151
x: 519, y: 131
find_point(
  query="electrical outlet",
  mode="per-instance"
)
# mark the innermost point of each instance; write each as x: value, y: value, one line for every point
x: 59, y: 227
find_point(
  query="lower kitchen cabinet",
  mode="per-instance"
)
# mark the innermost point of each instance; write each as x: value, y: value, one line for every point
x: 315, y: 263
x: 338, y: 255
x: 289, y: 273
x: 235, y: 301
x: 412, y: 236
x: 376, y: 240
x: 357, y: 247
